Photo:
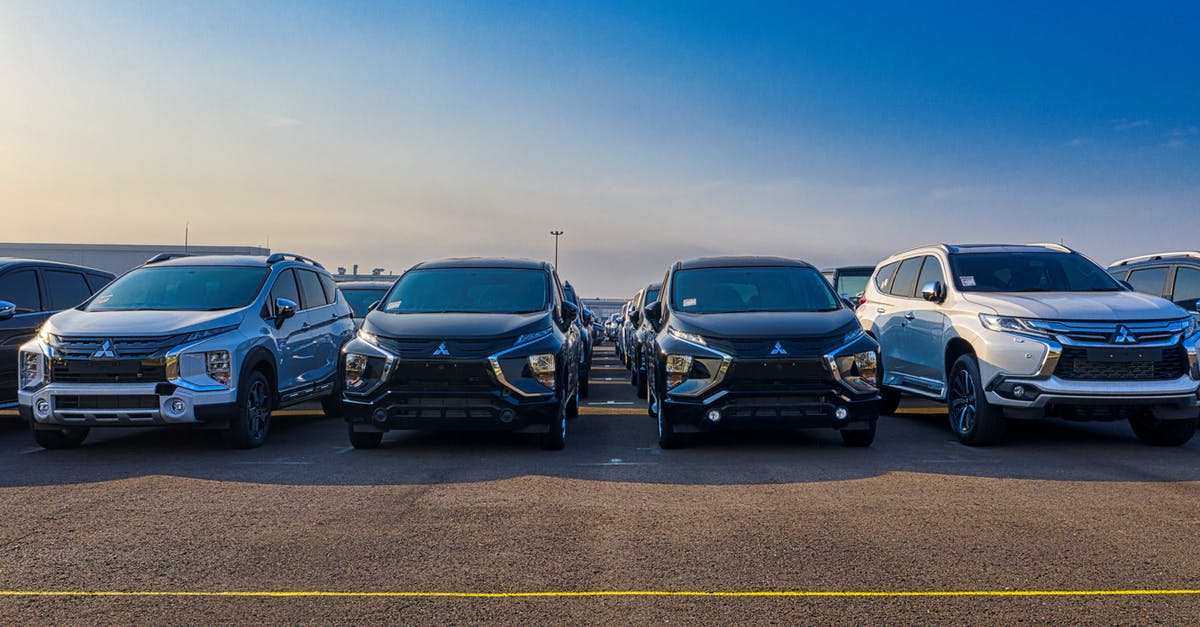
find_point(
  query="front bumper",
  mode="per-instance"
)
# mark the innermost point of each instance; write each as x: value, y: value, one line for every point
x: 471, y: 408
x: 125, y: 405
x: 796, y: 409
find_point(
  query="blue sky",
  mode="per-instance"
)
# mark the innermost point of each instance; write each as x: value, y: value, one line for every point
x: 383, y: 134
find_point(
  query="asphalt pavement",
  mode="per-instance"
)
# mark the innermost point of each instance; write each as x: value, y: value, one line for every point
x: 1065, y: 522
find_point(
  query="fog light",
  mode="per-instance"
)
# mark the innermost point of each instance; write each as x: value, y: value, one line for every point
x: 176, y: 406
x: 840, y: 413
x: 508, y: 416
x: 381, y: 415
x: 714, y: 415
x: 42, y: 407
x: 1019, y: 391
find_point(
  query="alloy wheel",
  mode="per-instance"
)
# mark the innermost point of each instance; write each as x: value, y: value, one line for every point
x: 963, y: 403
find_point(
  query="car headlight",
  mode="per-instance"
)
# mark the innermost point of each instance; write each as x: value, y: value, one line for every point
x: 204, y: 333
x: 33, y: 370
x: 368, y: 337
x: 536, y: 335
x: 218, y: 366
x: 858, y: 371
x: 1190, y: 326
x: 542, y: 367
x: 1006, y: 324
x: 363, y: 373
x: 688, y: 337
x: 678, y: 369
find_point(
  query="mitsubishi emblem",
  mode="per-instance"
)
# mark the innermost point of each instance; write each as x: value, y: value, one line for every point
x: 441, y: 350
x: 105, y: 352
x: 1123, y: 336
x: 779, y: 349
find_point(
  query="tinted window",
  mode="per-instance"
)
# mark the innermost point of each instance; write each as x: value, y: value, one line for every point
x: 360, y: 299
x: 883, y: 280
x: 930, y: 272
x: 181, y: 288
x: 285, y: 287
x: 65, y: 289
x: 1187, y: 288
x: 905, y: 283
x: 1149, y: 280
x: 21, y: 289
x: 311, y: 290
x: 853, y: 283
x: 1030, y: 272
x: 651, y: 296
x: 330, y: 288
x: 569, y: 293
x: 717, y: 290
x: 466, y: 290
x: 98, y: 281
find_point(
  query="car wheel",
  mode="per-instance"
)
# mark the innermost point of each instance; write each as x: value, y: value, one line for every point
x: 57, y: 439
x: 249, y: 427
x: 573, y: 405
x: 364, y: 439
x: 555, y: 437
x: 667, y: 438
x: 889, y: 399
x: 331, y: 405
x: 975, y: 421
x: 1155, y: 432
x: 584, y: 380
x: 859, y: 438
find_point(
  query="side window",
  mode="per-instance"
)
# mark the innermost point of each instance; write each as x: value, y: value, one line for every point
x: 20, y: 288
x: 330, y: 288
x: 1187, y: 288
x: 285, y: 287
x: 65, y: 289
x: 311, y: 290
x: 905, y: 283
x: 97, y: 281
x: 930, y: 272
x: 883, y: 279
x: 1149, y: 280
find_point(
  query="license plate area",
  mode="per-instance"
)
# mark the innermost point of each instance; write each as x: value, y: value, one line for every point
x: 1125, y: 355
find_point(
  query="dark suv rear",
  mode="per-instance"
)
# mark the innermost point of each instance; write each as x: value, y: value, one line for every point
x: 758, y: 342
x: 487, y: 344
x: 1173, y: 276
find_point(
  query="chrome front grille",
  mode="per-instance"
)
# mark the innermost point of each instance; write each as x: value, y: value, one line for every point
x: 1152, y: 333
x: 128, y: 347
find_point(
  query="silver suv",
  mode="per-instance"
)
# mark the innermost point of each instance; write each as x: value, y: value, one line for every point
x: 216, y: 342
x: 1030, y: 331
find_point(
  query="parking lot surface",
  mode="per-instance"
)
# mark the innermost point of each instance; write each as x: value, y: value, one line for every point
x: 1081, y: 508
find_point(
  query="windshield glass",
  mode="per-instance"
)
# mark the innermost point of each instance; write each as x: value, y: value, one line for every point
x: 181, y: 288
x: 853, y: 284
x: 1030, y: 272
x: 781, y: 288
x: 469, y: 290
x: 360, y: 298
x: 569, y: 292
x: 652, y: 296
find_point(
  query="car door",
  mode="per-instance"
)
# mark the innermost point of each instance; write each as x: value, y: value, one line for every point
x: 18, y: 286
x: 1185, y: 290
x: 1150, y: 280
x: 290, y: 333
x: 317, y: 330
x: 927, y: 326
x: 893, y: 321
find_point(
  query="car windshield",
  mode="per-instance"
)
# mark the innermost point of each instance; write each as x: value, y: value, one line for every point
x: 766, y: 288
x: 469, y: 290
x: 853, y: 284
x: 181, y: 288
x: 1030, y: 272
x: 569, y: 292
x: 360, y: 298
x: 651, y: 296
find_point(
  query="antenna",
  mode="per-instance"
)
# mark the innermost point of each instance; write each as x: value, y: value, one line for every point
x: 186, y: 228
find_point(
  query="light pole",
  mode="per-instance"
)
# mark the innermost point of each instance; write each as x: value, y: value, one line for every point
x: 556, y: 234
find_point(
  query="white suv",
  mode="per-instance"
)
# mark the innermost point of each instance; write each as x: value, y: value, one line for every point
x: 1027, y: 332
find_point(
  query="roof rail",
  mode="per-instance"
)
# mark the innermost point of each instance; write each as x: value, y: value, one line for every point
x: 164, y: 257
x: 277, y: 257
x: 1055, y: 245
x: 1189, y: 254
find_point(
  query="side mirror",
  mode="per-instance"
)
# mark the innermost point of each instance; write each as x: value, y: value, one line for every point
x: 635, y: 316
x: 7, y: 310
x: 934, y: 292
x: 653, y: 312
x: 569, y: 312
x: 284, y: 309
x: 373, y: 306
x: 1128, y: 285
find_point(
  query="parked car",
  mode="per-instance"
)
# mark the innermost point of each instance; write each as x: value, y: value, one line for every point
x: 361, y: 295
x: 641, y: 332
x: 598, y: 334
x: 758, y: 342
x: 584, y: 325
x: 627, y: 329
x: 849, y: 281
x: 466, y: 344
x: 1031, y: 331
x: 611, y: 327
x: 30, y: 292
x: 1173, y: 276
x: 210, y: 341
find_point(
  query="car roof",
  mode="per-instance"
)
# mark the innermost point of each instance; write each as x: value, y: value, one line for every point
x: 1156, y: 257
x: 364, y: 284
x: 850, y: 269
x: 213, y: 260
x: 6, y: 262
x: 739, y: 262
x: 654, y: 286
x: 483, y: 262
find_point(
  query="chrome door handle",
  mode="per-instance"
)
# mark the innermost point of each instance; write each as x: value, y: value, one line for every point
x: 304, y: 326
x: 909, y: 316
x: 880, y: 310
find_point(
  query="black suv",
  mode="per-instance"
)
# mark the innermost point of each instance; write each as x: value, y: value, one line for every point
x: 849, y: 281
x: 30, y: 292
x: 758, y: 342
x: 487, y: 344
x: 1173, y: 276
x: 638, y: 336
x: 583, y: 322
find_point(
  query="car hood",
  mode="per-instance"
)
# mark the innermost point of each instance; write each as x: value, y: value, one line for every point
x: 769, y: 324
x: 140, y: 323
x: 1087, y: 306
x: 454, y: 325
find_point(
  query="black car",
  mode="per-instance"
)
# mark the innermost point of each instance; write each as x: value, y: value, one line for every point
x: 360, y: 295
x: 30, y: 292
x: 1173, y: 276
x: 480, y: 344
x: 639, y: 336
x: 584, y: 325
x: 758, y: 342
x: 849, y: 281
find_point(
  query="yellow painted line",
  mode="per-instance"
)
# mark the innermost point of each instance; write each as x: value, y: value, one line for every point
x: 922, y: 411
x: 9, y: 413
x: 602, y: 593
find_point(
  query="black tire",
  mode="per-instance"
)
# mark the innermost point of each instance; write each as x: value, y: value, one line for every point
x: 58, y: 439
x: 573, y: 405
x: 643, y: 390
x: 667, y: 438
x: 331, y: 405
x: 889, y: 399
x: 859, y: 439
x: 584, y: 384
x: 364, y: 439
x: 249, y: 427
x: 1155, y: 432
x: 555, y: 437
x: 975, y: 421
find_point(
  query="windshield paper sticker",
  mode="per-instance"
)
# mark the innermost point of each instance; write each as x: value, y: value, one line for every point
x: 689, y: 302
x: 393, y: 305
x: 967, y: 281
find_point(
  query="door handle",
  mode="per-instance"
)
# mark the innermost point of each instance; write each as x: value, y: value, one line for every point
x: 909, y: 316
x: 880, y: 310
x: 304, y: 326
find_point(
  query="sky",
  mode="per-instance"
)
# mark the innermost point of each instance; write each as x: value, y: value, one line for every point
x: 385, y: 134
